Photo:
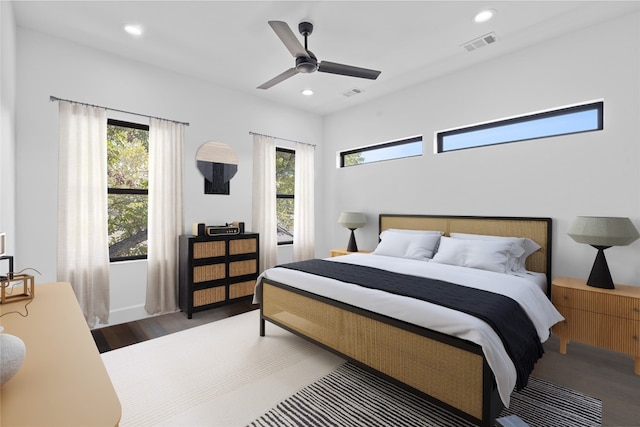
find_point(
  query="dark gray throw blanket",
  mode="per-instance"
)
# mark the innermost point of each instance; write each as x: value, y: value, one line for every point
x: 503, y: 314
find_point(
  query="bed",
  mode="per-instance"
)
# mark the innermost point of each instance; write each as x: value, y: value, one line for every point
x: 459, y: 367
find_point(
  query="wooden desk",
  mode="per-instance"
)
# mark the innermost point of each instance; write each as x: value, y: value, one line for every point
x: 62, y: 381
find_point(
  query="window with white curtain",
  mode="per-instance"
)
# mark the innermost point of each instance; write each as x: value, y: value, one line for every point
x: 128, y: 189
x: 285, y: 194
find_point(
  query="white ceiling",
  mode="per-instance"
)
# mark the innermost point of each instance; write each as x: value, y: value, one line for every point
x: 229, y: 43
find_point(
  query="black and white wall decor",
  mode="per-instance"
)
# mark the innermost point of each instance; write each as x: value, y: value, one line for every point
x: 218, y: 163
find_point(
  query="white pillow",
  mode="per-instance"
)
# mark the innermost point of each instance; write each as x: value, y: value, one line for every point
x: 518, y: 264
x: 414, y: 244
x: 422, y: 246
x: 488, y: 255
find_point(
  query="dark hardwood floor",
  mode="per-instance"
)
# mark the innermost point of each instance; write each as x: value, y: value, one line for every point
x: 122, y: 335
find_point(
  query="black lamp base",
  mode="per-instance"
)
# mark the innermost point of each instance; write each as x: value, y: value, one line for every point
x: 600, y: 276
x: 352, y: 247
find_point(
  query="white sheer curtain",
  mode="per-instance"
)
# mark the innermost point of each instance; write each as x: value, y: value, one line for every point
x: 165, y: 215
x: 263, y: 219
x: 83, y: 245
x: 303, y: 217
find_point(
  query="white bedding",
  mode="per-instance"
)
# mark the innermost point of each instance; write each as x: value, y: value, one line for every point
x: 525, y: 290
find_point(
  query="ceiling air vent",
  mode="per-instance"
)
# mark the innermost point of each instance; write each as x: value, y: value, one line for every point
x: 479, y: 42
x: 351, y: 92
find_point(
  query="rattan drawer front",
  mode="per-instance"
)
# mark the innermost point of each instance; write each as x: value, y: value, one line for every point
x: 204, y: 273
x: 208, y: 249
x: 423, y: 363
x: 240, y: 268
x: 241, y: 289
x: 209, y: 296
x: 604, y: 303
x: 604, y: 331
x: 242, y: 246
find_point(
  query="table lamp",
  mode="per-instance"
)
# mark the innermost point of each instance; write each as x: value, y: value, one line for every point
x: 352, y: 220
x: 602, y: 233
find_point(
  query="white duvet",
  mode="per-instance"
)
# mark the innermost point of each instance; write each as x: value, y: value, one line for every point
x: 525, y: 289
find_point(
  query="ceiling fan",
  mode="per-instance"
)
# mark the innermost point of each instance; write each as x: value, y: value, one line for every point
x: 306, y: 61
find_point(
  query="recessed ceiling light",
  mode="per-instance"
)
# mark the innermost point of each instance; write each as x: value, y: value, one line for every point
x: 134, y: 30
x: 307, y: 92
x: 484, y: 15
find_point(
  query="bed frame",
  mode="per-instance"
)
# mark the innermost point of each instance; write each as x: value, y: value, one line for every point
x: 448, y: 371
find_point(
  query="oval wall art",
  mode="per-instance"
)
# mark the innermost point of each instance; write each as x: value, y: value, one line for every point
x: 218, y: 163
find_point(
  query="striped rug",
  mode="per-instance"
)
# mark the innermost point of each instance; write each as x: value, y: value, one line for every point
x: 350, y: 396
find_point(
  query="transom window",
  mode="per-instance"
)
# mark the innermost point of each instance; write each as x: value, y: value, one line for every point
x: 127, y: 189
x: 560, y: 121
x: 408, y: 147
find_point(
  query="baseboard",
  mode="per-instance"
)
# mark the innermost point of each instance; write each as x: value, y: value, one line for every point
x: 124, y: 315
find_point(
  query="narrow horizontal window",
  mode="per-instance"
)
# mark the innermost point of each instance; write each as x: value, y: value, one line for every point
x: 399, y: 149
x: 562, y: 121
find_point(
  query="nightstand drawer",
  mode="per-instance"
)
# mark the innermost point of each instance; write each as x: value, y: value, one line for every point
x: 614, y: 333
x: 612, y: 305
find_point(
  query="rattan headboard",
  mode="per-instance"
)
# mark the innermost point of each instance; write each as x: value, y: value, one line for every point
x: 537, y: 229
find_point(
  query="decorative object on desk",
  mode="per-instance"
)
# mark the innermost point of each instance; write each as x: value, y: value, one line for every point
x: 602, y: 233
x: 12, y: 353
x: 352, y: 220
x: 13, y: 281
x: 218, y: 163
x: 10, y: 270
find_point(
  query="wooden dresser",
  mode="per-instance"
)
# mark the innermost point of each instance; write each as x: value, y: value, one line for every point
x: 216, y: 269
x: 607, y: 318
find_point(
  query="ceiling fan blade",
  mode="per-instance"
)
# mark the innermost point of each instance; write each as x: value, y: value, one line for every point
x: 289, y: 39
x: 279, y: 78
x: 347, y: 70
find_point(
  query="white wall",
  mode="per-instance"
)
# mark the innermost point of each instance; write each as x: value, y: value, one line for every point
x: 7, y: 127
x: 594, y: 173
x: 588, y: 174
x: 49, y: 66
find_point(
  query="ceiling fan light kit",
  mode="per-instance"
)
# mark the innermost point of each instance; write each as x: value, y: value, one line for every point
x: 306, y: 61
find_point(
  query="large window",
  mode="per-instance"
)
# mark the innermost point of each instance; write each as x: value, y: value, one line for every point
x: 128, y: 189
x: 285, y: 188
x: 408, y: 147
x: 560, y: 121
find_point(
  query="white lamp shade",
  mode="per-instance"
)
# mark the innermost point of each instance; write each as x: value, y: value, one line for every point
x: 603, y: 231
x: 352, y: 220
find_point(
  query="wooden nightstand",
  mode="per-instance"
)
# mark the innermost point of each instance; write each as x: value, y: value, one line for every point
x: 607, y: 318
x: 343, y: 251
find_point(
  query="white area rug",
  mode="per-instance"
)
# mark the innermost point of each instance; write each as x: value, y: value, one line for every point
x: 219, y: 374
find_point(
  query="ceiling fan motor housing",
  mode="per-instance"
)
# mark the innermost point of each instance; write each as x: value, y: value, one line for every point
x: 306, y: 64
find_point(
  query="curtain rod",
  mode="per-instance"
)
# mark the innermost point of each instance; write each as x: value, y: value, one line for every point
x: 55, y: 98
x: 281, y: 139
